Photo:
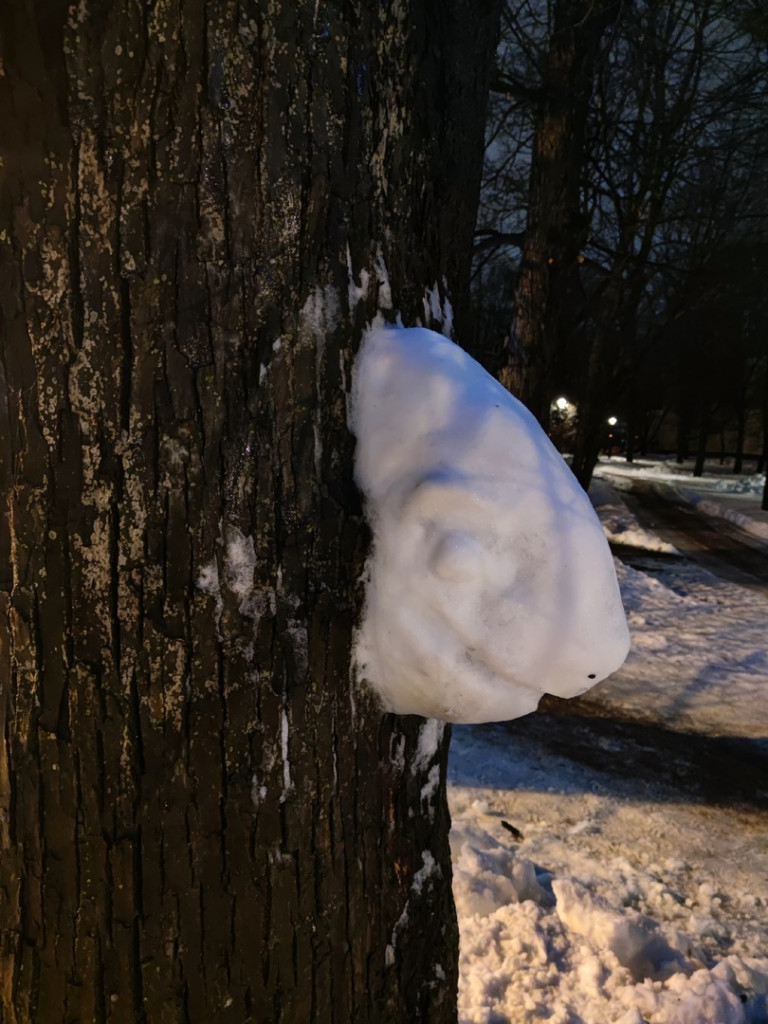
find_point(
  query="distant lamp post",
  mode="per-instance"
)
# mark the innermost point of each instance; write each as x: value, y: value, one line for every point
x: 562, y: 426
x: 612, y: 442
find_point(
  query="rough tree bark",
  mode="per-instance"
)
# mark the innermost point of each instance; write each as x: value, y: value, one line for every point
x: 202, y: 203
x: 547, y: 285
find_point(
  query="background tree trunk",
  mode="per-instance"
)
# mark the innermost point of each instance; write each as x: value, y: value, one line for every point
x: 202, y: 819
x: 547, y: 290
x: 762, y: 466
x: 741, y: 434
x: 701, y: 443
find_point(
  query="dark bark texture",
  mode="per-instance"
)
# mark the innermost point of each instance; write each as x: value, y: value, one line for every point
x: 202, y: 817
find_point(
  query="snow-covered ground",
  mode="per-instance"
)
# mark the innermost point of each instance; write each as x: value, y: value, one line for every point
x: 620, y: 900
x: 699, y: 655
x: 717, y: 492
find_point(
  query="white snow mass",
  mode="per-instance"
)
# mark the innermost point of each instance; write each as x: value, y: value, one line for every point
x: 490, y: 580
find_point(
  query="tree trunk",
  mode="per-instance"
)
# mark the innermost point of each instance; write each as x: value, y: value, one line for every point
x: 604, y: 353
x: 683, y: 437
x: 589, y: 438
x: 741, y: 433
x: 629, y: 453
x: 701, y: 446
x: 634, y: 416
x: 203, y: 818
x: 556, y: 230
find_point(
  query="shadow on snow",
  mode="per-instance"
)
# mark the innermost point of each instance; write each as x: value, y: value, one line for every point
x: 634, y: 760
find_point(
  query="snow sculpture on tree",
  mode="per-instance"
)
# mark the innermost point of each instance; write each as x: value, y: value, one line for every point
x: 490, y: 580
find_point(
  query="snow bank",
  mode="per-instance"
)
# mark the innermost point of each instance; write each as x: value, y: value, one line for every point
x: 620, y: 525
x: 631, y: 937
x: 754, y: 484
x: 490, y: 580
x: 748, y: 522
x: 610, y: 905
x: 709, y: 493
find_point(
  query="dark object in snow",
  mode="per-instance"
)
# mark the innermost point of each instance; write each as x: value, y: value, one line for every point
x: 515, y: 832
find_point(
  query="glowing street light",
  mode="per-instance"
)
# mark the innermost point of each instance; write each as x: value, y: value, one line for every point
x: 612, y: 421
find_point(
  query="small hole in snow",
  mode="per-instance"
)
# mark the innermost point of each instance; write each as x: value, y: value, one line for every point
x: 592, y: 675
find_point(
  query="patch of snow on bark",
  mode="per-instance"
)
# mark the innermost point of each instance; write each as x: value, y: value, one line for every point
x: 321, y: 312
x: 239, y: 563
x: 430, y: 788
x: 208, y: 579
x: 284, y: 734
x: 430, y: 735
x: 235, y: 571
x: 429, y: 869
x: 382, y: 279
x: 438, y: 310
x: 356, y: 293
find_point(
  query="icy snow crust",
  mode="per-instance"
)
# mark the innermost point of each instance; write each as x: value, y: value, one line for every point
x: 490, y: 580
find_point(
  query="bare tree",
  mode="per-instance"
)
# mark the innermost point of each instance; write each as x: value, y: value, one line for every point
x: 665, y: 168
x: 658, y: 182
x: 555, y: 230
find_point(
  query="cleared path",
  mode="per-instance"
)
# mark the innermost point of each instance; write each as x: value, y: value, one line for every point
x: 714, y: 770
x: 714, y: 542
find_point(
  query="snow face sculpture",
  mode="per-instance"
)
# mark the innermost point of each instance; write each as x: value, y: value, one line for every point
x: 490, y: 580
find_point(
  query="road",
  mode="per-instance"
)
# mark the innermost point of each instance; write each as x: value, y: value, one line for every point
x: 719, y: 545
x: 715, y: 770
